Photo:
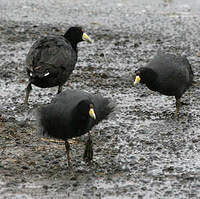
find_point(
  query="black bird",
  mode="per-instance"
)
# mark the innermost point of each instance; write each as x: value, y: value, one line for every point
x: 52, y: 59
x: 73, y: 113
x: 168, y: 74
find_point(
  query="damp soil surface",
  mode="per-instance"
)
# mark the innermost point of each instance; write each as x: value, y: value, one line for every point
x: 143, y: 150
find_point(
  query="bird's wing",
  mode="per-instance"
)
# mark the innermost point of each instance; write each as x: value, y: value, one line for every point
x: 52, y: 53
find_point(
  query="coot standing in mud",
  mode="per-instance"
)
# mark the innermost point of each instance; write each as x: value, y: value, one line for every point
x: 73, y: 113
x: 52, y: 59
x: 168, y: 74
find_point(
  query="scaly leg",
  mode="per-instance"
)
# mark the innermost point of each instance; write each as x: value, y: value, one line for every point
x: 28, y: 90
x: 59, y: 89
x: 178, y: 105
x: 88, y: 153
x: 67, y: 147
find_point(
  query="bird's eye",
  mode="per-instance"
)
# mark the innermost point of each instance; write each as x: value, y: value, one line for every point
x: 137, y: 73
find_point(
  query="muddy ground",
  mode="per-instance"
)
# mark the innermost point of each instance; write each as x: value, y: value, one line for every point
x: 144, y: 150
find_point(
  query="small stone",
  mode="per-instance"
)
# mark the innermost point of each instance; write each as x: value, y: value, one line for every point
x: 25, y: 167
x: 45, y: 187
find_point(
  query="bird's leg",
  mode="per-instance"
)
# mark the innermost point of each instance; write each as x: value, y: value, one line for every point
x: 28, y: 90
x: 67, y: 147
x: 88, y: 153
x: 178, y: 104
x: 59, y: 89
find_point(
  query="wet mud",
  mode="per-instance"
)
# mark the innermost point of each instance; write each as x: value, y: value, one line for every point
x: 143, y: 150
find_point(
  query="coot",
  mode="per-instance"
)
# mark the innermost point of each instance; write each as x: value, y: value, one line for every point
x: 52, y: 59
x: 168, y: 74
x: 71, y: 114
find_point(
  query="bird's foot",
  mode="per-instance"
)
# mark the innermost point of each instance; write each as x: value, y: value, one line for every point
x: 178, y: 105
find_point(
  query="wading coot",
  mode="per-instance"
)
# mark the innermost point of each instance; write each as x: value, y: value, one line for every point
x: 52, y: 59
x: 168, y: 74
x: 71, y: 114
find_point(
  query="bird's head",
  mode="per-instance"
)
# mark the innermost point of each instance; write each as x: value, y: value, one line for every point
x: 145, y: 76
x: 77, y: 34
x: 86, y: 109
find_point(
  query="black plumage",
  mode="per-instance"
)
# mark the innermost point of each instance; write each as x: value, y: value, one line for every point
x: 51, y: 59
x: 73, y: 113
x: 168, y: 74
